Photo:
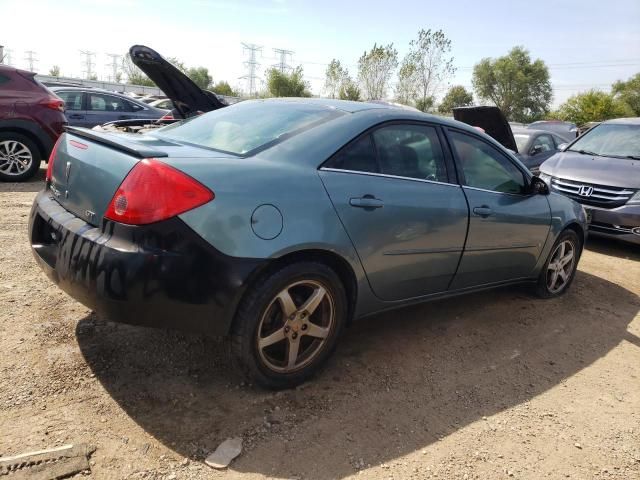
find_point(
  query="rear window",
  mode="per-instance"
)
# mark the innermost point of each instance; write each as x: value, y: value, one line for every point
x: 247, y: 127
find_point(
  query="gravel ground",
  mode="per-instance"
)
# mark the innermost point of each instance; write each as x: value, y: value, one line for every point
x: 490, y: 386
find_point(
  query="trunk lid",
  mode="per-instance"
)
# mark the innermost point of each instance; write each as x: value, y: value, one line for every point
x: 491, y: 120
x: 187, y: 97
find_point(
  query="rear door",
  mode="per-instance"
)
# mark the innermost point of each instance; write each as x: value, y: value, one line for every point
x: 507, y: 225
x: 394, y: 190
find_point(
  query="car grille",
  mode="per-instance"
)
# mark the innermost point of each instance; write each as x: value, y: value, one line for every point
x: 597, y: 195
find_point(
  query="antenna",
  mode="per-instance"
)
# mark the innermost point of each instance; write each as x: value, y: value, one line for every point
x: 251, y: 65
x: 88, y: 63
x: 115, y: 65
x: 282, y: 65
x: 31, y: 59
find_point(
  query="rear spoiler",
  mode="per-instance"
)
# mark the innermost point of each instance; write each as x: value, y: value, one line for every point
x: 117, y: 142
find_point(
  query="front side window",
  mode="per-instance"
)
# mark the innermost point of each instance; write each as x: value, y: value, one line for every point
x: 412, y: 151
x: 107, y: 103
x: 544, y: 143
x: 610, y: 140
x: 72, y: 100
x: 485, y: 167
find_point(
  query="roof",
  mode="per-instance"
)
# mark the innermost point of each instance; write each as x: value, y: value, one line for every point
x: 624, y: 121
x: 344, y: 105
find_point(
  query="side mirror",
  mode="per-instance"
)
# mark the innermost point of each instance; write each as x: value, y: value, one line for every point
x: 538, y: 186
x: 562, y: 147
x: 536, y: 149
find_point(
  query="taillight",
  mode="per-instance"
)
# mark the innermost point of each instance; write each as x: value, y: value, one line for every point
x: 154, y: 191
x: 167, y: 116
x: 53, y: 103
x: 52, y: 157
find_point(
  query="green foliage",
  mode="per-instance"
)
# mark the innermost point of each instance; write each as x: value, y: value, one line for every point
x: 425, y: 68
x: 282, y: 84
x: 349, y: 91
x: 335, y: 77
x: 593, y: 106
x: 375, y: 68
x: 93, y: 76
x: 628, y: 92
x: 54, y: 71
x: 223, y: 88
x: 518, y: 86
x: 457, y: 96
x: 134, y: 74
x: 179, y: 64
x: 425, y: 104
x: 200, y: 76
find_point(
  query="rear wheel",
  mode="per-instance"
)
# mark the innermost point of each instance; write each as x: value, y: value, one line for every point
x: 19, y: 157
x: 289, y: 323
x: 560, y: 268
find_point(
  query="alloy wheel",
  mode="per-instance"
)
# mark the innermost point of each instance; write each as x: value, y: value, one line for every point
x: 560, y: 266
x: 15, y: 157
x: 295, y: 326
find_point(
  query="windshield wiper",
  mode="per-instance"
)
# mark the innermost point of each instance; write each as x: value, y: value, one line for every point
x: 585, y: 152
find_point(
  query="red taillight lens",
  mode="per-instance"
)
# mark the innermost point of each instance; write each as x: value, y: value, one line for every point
x: 53, y: 103
x: 167, y: 116
x: 52, y: 157
x: 154, y: 191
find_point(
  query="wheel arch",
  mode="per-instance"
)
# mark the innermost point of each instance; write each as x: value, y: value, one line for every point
x: 30, y: 135
x: 576, y: 227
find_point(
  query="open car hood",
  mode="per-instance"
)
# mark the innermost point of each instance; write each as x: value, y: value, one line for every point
x: 187, y: 97
x: 491, y: 120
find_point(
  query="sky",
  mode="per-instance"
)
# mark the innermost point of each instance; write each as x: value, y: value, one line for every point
x: 585, y: 43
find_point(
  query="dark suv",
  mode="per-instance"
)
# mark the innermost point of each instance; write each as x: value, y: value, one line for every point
x: 31, y: 120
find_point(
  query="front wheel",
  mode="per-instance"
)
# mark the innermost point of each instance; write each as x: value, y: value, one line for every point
x: 560, y: 268
x: 19, y: 157
x: 288, y: 324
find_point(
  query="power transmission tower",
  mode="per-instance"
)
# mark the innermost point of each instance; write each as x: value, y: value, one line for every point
x: 115, y: 65
x: 7, y: 56
x: 282, y: 65
x: 88, y: 63
x: 31, y: 59
x: 251, y: 65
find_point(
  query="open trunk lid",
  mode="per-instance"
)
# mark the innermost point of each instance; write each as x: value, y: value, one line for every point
x: 89, y: 167
x: 491, y: 120
x: 187, y: 97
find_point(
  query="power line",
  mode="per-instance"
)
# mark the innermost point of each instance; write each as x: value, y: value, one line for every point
x: 283, y: 54
x: 31, y: 59
x: 251, y: 65
x: 115, y: 65
x: 88, y: 63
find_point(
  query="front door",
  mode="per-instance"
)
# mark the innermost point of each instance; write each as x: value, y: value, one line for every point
x: 508, y: 226
x: 74, y: 107
x: 392, y: 191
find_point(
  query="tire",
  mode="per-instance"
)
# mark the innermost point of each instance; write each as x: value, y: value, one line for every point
x: 268, y: 331
x: 19, y: 157
x: 546, y: 287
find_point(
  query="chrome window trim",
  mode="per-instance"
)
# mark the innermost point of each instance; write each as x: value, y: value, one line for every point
x: 496, y: 192
x: 386, y: 175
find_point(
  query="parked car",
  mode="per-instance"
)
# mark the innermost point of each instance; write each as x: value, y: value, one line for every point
x: 31, y: 120
x: 536, y: 146
x: 601, y: 170
x: 278, y: 221
x: 88, y: 107
x: 163, y: 103
x: 567, y: 130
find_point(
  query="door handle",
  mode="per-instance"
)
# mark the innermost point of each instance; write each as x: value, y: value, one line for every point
x: 76, y: 116
x: 368, y: 201
x: 482, y: 211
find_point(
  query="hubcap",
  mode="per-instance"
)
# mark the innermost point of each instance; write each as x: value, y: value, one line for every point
x: 295, y: 326
x: 560, y: 266
x: 15, y: 157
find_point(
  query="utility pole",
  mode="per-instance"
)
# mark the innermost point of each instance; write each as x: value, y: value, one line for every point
x: 282, y: 65
x: 1, y: 53
x: 115, y: 65
x: 7, y: 56
x: 251, y: 65
x: 88, y: 63
x: 31, y: 59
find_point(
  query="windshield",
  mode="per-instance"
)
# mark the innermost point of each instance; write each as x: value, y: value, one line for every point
x: 248, y: 126
x: 610, y: 140
x: 521, y: 141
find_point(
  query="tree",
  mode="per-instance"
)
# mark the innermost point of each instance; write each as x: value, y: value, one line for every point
x: 593, y: 106
x: 406, y: 89
x: 349, y: 90
x: 334, y: 78
x: 55, y: 71
x: 282, y: 84
x: 425, y: 104
x: 518, y: 86
x: 427, y: 65
x: 375, y: 68
x: 179, y: 64
x: 134, y: 74
x: 628, y: 92
x: 457, y: 96
x: 223, y: 88
x: 200, y: 76
x: 93, y: 76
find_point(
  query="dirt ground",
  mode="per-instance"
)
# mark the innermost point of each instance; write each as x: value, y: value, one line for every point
x: 489, y: 386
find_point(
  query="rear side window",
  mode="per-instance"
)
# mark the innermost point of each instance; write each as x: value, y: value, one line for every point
x: 485, y: 167
x: 358, y: 156
x: 107, y: 103
x: 410, y: 151
x: 247, y: 127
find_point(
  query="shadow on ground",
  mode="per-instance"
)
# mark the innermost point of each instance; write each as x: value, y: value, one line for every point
x: 607, y: 246
x: 34, y: 184
x: 398, y: 382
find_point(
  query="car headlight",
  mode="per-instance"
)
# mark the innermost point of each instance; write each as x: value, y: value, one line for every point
x: 635, y: 198
x: 545, y: 177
